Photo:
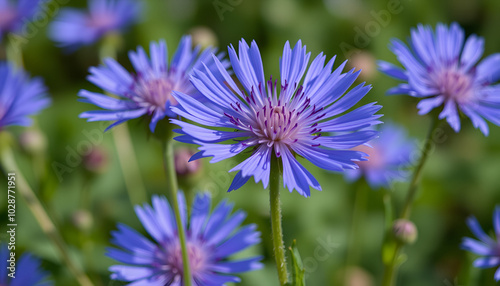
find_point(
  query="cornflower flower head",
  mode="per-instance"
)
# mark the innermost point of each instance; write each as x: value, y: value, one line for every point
x: 15, y: 14
x: 20, y: 96
x: 485, y: 246
x: 389, y: 158
x: 294, y: 117
x: 148, y: 92
x: 211, y: 239
x: 73, y: 28
x: 442, y: 70
x: 27, y: 270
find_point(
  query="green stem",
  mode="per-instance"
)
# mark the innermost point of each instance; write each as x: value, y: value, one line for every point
x: 391, y: 268
x: 277, y: 231
x: 415, y: 181
x: 14, y: 53
x: 121, y: 135
x: 169, y: 166
x: 129, y: 165
x: 42, y: 217
x: 357, y: 217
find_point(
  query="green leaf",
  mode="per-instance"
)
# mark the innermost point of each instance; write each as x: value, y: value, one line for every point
x: 298, y: 272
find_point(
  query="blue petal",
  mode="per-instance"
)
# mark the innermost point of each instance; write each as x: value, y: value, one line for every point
x: 258, y: 165
x: 478, y: 231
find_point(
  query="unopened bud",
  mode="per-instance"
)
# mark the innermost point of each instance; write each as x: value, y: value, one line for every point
x: 405, y: 231
x: 204, y: 37
x: 96, y: 161
x: 365, y: 62
x: 82, y: 219
x: 182, y: 165
x: 33, y: 141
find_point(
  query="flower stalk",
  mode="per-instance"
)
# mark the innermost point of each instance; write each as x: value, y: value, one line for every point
x: 40, y: 214
x: 121, y: 137
x: 277, y: 230
x: 391, y: 268
x: 169, y: 167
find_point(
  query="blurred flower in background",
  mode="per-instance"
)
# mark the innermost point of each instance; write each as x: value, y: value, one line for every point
x: 183, y: 166
x: 297, y: 121
x: 442, y: 70
x: 96, y: 160
x: 389, y: 158
x: 73, y: 28
x: 148, y: 92
x: 20, y: 96
x: 27, y: 270
x: 211, y: 238
x: 14, y: 14
x: 486, y: 246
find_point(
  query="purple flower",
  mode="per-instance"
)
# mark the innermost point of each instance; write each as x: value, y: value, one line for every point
x: 14, y: 14
x: 389, y: 158
x: 27, y: 270
x: 148, y: 92
x: 268, y: 119
x: 486, y: 246
x: 211, y: 239
x: 441, y: 70
x: 73, y: 28
x: 20, y: 97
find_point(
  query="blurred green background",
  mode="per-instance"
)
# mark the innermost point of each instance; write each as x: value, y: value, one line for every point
x: 460, y: 179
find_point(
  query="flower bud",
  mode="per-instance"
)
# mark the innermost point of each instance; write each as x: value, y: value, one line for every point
x: 33, y: 141
x: 82, y: 219
x: 96, y: 161
x: 182, y: 165
x: 405, y: 231
x: 204, y: 37
x: 365, y: 62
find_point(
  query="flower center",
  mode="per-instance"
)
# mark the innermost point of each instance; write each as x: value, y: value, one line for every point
x: 102, y: 21
x: 454, y: 84
x: 197, y: 259
x: 276, y: 123
x: 375, y: 159
x: 273, y: 120
x: 7, y: 17
x: 155, y: 92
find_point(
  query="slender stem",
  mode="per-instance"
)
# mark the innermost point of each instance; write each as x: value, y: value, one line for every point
x: 14, y: 53
x: 129, y: 165
x: 391, y: 268
x: 357, y: 217
x: 42, y: 217
x: 415, y: 181
x: 121, y: 135
x: 169, y: 166
x: 277, y: 231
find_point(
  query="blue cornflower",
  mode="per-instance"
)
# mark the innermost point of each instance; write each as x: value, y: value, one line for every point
x: 73, y: 28
x: 27, y: 270
x: 148, y: 92
x: 14, y: 14
x: 19, y: 96
x: 441, y: 70
x: 485, y: 246
x: 211, y: 239
x: 292, y: 118
x: 389, y: 158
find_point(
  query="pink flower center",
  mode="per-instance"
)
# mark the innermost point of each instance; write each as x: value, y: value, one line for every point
x: 197, y: 259
x: 277, y: 120
x: 375, y: 159
x: 7, y: 17
x: 155, y: 92
x: 454, y: 84
x: 101, y: 21
x: 276, y: 123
